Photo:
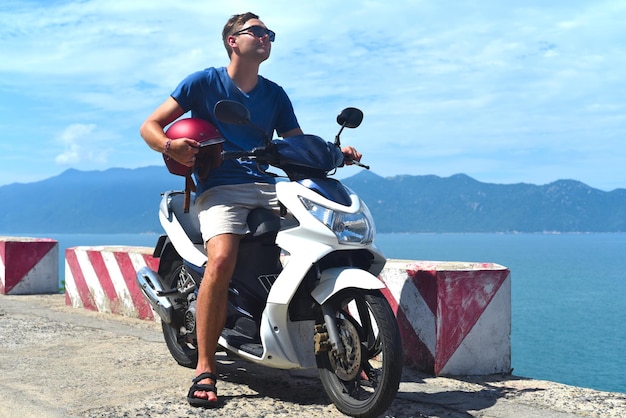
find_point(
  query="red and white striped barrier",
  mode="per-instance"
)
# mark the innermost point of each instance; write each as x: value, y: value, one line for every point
x: 454, y: 318
x: 103, y: 279
x: 29, y: 266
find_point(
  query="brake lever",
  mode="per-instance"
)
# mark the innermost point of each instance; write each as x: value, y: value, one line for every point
x: 357, y: 163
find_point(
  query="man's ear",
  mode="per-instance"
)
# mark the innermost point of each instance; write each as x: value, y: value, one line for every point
x: 231, y: 40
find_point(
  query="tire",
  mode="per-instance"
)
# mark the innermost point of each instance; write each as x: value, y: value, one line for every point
x: 367, y: 382
x: 185, y: 353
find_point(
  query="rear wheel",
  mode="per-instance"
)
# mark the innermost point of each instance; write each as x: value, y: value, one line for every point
x: 177, y: 338
x: 364, y: 381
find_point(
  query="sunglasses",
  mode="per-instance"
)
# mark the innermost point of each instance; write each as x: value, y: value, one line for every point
x: 257, y: 31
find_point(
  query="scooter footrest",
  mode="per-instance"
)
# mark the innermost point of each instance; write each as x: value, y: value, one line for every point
x: 237, y: 339
x: 254, y: 349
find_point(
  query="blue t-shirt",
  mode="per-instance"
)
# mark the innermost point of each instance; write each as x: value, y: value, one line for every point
x: 270, y: 109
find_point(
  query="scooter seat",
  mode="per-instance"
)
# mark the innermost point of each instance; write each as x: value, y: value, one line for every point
x: 260, y: 221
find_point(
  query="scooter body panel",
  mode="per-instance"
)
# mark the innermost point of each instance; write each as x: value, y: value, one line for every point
x: 335, y: 280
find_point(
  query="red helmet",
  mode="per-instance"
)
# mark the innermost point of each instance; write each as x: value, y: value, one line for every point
x: 203, y: 132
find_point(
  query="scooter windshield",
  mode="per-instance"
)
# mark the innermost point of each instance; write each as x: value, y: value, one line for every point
x: 309, y: 152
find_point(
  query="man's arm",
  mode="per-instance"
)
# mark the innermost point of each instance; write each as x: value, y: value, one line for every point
x: 293, y: 132
x: 182, y: 150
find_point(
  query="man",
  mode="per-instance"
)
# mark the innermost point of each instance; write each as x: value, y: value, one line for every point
x: 225, y: 198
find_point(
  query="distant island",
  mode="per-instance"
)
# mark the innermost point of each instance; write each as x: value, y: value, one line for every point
x: 126, y: 201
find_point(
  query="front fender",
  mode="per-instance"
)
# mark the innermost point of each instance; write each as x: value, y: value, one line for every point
x: 336, y: 279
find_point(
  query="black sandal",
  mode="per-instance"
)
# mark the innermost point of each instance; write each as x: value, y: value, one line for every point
x: 201, y: 402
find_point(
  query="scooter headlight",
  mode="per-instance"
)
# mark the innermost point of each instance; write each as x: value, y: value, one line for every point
x: 355, y: 227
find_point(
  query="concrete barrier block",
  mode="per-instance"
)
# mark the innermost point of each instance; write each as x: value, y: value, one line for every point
x: 454, y: 317
x: 103, y: 279
x: 29, y: 266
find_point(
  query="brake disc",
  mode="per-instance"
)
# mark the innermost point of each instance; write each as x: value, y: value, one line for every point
x: 348, y: 367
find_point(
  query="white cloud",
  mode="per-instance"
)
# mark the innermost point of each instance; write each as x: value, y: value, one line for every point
x: 82, y: 146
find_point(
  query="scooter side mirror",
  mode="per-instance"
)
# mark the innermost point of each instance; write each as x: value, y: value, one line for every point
x: 234, y: 113
x: 231, y: 112
x: 350, y: 117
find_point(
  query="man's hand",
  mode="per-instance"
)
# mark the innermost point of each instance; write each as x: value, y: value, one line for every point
x: 183, y: 150
x: 351, y: 154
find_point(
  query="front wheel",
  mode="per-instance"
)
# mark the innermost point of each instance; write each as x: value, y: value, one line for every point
x: 364, y: 381
x: 178, y: 341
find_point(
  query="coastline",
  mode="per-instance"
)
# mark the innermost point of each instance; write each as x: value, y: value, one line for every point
x: 565, y: 318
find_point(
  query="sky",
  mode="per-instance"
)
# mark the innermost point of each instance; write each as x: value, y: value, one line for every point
x: 503, y: 91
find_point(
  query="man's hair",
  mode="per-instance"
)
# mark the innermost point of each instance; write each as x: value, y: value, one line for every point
x: 234, y: 24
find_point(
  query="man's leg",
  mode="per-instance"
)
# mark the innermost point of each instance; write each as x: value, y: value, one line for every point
x: 212, y: 303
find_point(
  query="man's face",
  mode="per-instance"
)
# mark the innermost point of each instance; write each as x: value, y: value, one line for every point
x: 253, y: 40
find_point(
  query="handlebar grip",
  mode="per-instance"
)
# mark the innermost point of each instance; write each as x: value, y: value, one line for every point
x: 357, y: 163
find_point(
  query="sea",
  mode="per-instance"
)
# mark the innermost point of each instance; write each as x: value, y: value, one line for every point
x: 568, y: 294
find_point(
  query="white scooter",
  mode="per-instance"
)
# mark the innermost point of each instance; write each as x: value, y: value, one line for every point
x: 305, y: 291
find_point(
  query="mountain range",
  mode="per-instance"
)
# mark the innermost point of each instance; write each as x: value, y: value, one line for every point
x: 126, y: 201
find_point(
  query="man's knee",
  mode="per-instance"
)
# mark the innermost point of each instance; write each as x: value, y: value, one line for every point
x: 221, y: 265
x: 222, y: 256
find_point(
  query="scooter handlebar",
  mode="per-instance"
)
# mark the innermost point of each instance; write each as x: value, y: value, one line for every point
x: 233, y: 155
x: 264, y: 154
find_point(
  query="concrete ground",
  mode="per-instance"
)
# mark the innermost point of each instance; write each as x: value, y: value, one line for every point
x: 57, y: 361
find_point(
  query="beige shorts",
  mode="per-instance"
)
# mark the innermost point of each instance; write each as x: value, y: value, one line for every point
x: 225, y: 209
